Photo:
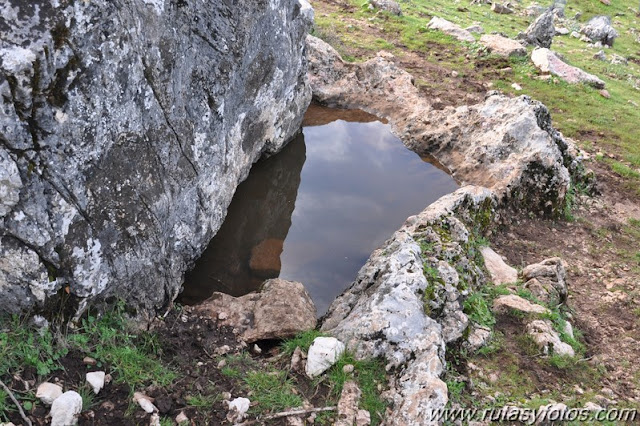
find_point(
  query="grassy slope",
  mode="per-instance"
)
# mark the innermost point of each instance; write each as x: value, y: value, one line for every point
x: 580, y: 112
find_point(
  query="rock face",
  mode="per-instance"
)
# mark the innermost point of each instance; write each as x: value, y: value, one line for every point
x: 450, y: 28
x: 502, y: 46
x: 541, y: 31
x: 599, y: 28
x: 124, y: 131
x: 548, y: 62
x: 281, y: 310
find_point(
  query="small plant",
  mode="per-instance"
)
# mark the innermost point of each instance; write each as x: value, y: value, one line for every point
x: 476, y: 306
x: 202, y: 401
x: 88, y: 397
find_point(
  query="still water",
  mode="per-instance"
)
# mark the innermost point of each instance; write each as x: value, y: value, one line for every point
x: 315, y: 211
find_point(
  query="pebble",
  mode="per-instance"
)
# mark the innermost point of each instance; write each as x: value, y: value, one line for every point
x: 348, y: 368
x: 145, y: 402
x: 48, y: 392
x: 182, y: 418
x: 89, y: 361
x: 96, y: 380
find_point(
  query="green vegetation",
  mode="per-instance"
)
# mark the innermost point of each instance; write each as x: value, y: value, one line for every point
x: 370, y: 377
x: 478, y: 308
x: 272, y: 390
x: 302, y: 340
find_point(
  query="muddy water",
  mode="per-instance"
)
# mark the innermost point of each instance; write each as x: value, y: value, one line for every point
x: 314, y: 212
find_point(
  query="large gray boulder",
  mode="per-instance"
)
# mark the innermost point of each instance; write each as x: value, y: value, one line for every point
x: 125, y: 128
x: 541, y: 32
x: 599, y: 28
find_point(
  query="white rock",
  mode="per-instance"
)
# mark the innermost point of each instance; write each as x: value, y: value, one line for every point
x: 450, y: 28
x: 154, y: 420
x: 548, y: 62
x: 516, y: 86
x: 65, y: 409
x: 96, y: 380
x: 48, y: 392
x: 238, y: 409
x: 500, y: 272
x: 145, y: 402
x: 548, y: 339
x: 181, y: 418
x: 503, y: 46
x: 323, y: 353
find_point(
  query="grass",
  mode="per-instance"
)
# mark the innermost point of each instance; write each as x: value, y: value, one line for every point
x: 370, y: 377
x: 478, y: 308
x: 203, y: 401
x: 272, y: 390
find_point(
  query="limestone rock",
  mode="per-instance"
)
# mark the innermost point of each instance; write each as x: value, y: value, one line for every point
x: 552, y: 411
x: 599, y: 28
x: 144, y: 402
x: 502, y: 46
x: 348, y: 404
x: 548, y: 339
x: 450, y: 28
x: 500, y: 272
x: 280, y: 310
x: 478, y: 338
x: 65, y: 409
x: 475, y: 29
x: 390, y: 6
x: 619, y: 60
x: 135, y: 137
x: 501, y: 9
x: 511, y: 302
x: 96, y: 380
x: 547, y: 280
x: 541, y: 31
x: 548, y: 62
x: 601, y: 56
x: 238, y: 409
x: 363, y: 418
x: 48, y: 392
x: 536, y: 157
x: 323, y: 353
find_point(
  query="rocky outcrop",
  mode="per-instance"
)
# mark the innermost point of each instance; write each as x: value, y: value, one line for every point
x: 390, y: 6
x: 547, y: 280
x: 125, y: 128
x: 280, y: 310
x: 548, y: 62
x: 505, y: 144
x: 541, y: 32
x: 499, y: 271
x: 407, y: 301
x: 599, y: 28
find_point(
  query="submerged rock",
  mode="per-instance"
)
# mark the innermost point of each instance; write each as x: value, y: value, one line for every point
x: 123, y: 142
x: 280, y: 310
x: 548, y: 61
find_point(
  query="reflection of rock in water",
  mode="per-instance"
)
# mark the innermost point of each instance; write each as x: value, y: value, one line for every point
x: 319, y: 115
x: 247, y: 248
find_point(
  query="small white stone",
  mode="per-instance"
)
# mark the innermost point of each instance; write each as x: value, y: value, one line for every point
x: 323, y: 353
x: 238, y: 409
x: 48, y: 392
x: 145, y: 402
x: 516, y: 86
x: 223, y: 316
x: 181, y: 418
x: 65, y: 409
x: 348, y: 368
x: 96, y: 380
x: 154, y: 420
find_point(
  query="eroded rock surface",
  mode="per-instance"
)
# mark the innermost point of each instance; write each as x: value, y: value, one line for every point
x: 280, y: 310
x: 450, y: 28
x: 125, y: 128
x: 503, y: 46
x: 599, y: 28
